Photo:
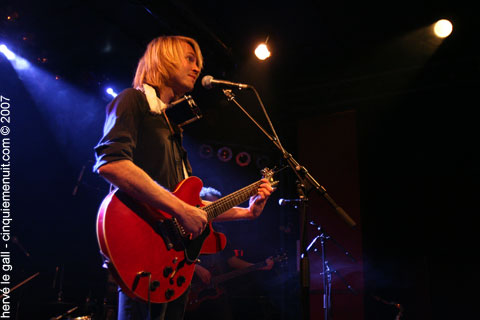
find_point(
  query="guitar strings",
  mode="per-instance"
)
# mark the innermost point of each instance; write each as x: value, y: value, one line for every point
x: 220, y: 206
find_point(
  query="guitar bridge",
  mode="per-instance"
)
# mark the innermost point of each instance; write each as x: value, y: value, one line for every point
x: 171, y: 232
x: 161, y: 230
x: 179, y: 228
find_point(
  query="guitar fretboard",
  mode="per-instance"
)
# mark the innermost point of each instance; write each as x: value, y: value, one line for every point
x: 218, y: 207
x: 232, y: 274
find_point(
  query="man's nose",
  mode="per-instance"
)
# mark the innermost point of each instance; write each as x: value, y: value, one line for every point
x: 196, y: 69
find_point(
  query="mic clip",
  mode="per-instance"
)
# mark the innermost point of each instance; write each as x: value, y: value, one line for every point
x: 293, y: 202
x: 194, y: 108
x: 229, y: 94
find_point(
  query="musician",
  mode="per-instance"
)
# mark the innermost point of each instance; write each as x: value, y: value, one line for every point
x: 141, y: 152
x: 219, y: 307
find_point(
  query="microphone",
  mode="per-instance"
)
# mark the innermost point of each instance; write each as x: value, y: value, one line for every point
x: 284, y: 202
x: 208, y: 82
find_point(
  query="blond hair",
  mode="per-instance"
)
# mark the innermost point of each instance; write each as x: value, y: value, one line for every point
x: 162, y: 58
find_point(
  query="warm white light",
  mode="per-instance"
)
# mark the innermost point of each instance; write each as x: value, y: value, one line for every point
x: 443, y: 28
x: 262, y: 51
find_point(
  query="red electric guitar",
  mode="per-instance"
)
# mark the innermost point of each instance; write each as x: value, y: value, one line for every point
x: 148, y: 252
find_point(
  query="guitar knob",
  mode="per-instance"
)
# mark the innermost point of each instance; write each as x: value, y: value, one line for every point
x: 169, y: 293
x: 167, y: 271
x: 181, y: 280
x: 154, y: 285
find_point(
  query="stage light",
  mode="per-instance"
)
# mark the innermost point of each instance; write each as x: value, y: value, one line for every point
x: 18, y: 63
x: 243, y: 159
x: 9, y: 54
x: 224, y: 154
x: 443, y: 28
x: 205, y: 151
x: 262, y: 51
x: 12, y: 17
x: 111, y: 92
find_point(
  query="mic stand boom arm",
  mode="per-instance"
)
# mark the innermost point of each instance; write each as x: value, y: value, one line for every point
x: 302, y: 173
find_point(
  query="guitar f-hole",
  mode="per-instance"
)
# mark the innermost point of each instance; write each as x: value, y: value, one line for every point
x: 139, y: 275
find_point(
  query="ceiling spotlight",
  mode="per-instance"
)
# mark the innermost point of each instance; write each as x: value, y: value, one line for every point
x: 262, y: 51
x: 243, y: 159
x: 12, y: 17
x: 443, y: 28
x: 224, y: 154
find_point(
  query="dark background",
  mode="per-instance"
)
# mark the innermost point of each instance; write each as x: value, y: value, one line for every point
x: 409, y: 98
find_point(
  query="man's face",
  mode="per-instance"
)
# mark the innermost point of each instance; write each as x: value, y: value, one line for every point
x: 188, y: 71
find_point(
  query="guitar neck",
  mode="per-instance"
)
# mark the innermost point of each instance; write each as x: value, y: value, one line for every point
x: 218, y: 207
x: 232, y: 274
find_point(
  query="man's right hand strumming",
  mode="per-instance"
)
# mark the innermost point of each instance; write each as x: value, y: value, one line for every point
x: 135, y: 182
x: 193, y: 220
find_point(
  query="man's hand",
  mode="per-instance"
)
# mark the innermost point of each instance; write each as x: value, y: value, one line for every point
x: 257, y: 202
x: 203, y: 274
x: 129, y: 178
x: 193, y: 220
x: 255, y: 208
x: 269, y: 262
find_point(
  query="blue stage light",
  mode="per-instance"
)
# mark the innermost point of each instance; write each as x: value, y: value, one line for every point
x: 111, y: 92
x: 9, y: 54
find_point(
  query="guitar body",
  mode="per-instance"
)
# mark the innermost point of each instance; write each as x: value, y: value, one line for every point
x: 145, y: 247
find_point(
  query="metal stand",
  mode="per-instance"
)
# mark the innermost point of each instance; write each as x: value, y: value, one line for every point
x: 323, y: 236
x: 306, y: 183
x: 304, y: 260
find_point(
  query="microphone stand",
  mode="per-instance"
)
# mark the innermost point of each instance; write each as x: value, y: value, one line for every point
x: 306, y: 183
x: 323, y: 236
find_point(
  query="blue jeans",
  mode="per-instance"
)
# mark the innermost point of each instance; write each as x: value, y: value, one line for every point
x: 130, y: 309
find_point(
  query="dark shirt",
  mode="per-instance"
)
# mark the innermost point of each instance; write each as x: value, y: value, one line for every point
x: 132, y: 132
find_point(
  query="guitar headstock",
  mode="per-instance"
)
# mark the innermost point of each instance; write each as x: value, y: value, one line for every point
x: 268, y: 174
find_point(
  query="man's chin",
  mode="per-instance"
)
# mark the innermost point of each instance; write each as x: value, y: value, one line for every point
x: 183, y: 90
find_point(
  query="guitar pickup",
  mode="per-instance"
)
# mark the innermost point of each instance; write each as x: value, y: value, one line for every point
x: 161, y: 230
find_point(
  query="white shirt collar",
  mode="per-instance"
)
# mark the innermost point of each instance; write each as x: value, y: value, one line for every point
x: 156, y: 105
